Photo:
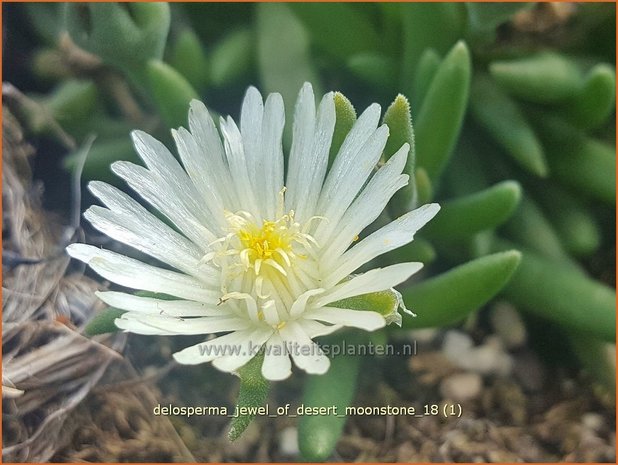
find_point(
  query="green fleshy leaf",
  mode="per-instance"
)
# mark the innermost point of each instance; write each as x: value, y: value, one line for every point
x: 345, y: 115
x: 546, y: 77
x: 440, y: 118
x: 170, y: 91
x: 252, y: 395
x: 318, y: 434
x: 126, y: 36
x: 340, y: 30
x: 596, y: 101
x: 284, y: 62
x: 189, y: 59
x: 574, y: 222
x: 563, y: 295
x: 588, y: 165
x: 466, y: 216
x: 424, y: 188
x: 421, y: 21
x: 373, y: 68
x: 530, y: 227
x: 103, y: 322
x: 501, y: 116
x: 426, y: 70
x: 73, y: 102
x: 232, y: 58
x: 448, y: 298
x: 399, y: 122
x: 386, y: 303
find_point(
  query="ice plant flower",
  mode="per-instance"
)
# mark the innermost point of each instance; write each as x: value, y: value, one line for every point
x: 249, y: 255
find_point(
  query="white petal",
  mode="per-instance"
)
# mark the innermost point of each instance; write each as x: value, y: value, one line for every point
x: 239, y: 169
x: 153, y: 306
x: 248, y: 349
x: 344, y: 163
x: 395, y: 234
x: 164, y: 245
x: 312, y: 166
x: 168, y: 171
x: 375, y: 280
x: 306, y: 354
x: 137, y: 275
x: 366, y: 207
x: 277, y: 364
x: 300, y: 303
x: 350, y: 178
x: 309, y: 153
x: 251, y: 116
x: 164, y: 198
x: 162, y: 325
x: 132, y: 224
x: 204, y: 177
x: 270, y: 165
x: 228, y: 344
x: 302, y: 140
x: 315, y: 328
x: 211, y: 156
x: 367, y: 320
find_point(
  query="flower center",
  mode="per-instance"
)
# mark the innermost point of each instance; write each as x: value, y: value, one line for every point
x: 271, y: 244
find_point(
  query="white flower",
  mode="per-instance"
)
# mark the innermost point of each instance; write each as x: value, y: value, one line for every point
x: 252, y: 256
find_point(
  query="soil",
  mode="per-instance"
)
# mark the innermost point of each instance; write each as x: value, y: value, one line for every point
x: 537, y: 413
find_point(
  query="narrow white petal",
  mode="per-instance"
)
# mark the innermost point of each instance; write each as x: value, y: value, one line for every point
x: 164, y: 199
x: 168, y: 171
x: 162, y: 325
x: 344, y: 163
x: 375, y: 280
x: 132, y: 224
x: 270, y: 164
x: 351, y: 179
x: 367, y: 320
x: 251, y: 116
x: 153, y: 306
x: 306, y: 354
x: 366, y: 207
x: 211, y: 156
x: 277, y: 364
x: 206, y: 351
x: 239, y: 169
x: 204, y: 177
x: 137, y: 275
x: 248, y: 349
x: 302, y: 141
x: 161, y: 243
x: 316, y: 329
x: 300, y: 303
x: 314, y: 162
x: 394, y: 235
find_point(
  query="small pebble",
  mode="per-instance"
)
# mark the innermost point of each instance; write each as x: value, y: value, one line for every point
x: 288, y: 442
x: 461, y: 387
x: 488, y: 358
x: 592, y: 421
x: 508, y: 325
x: 456, y: 345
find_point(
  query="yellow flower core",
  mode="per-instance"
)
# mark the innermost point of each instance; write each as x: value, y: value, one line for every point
x: 271, y: 244
x: 274, y: 243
